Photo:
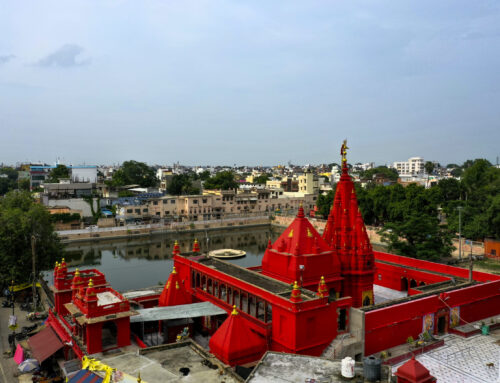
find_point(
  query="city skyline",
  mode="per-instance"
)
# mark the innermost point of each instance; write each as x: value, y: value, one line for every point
x: 259, y: 83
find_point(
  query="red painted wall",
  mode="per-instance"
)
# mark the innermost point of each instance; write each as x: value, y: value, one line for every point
x: 437, y: 267
x: 391, y: 275
x: 391, y: 326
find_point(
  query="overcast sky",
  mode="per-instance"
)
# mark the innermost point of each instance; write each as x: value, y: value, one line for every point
x: 249, y: 82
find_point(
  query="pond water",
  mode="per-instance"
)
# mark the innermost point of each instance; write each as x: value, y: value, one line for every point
x: 143, y: 262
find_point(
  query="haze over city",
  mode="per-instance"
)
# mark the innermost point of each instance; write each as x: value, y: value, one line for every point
x: 257, y: 83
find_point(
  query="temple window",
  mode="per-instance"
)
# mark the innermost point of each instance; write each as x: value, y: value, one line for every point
x: 269, y: 313
x: 209, y: 288
x: 230, y: 296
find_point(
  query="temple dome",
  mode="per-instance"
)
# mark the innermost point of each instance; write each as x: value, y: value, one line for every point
x: 300, y: 244
x: 235, y: 343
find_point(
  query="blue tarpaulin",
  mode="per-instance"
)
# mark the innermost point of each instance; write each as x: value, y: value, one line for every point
x: 85, y: 376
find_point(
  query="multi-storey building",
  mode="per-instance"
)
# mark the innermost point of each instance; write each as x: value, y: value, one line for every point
x: 414, y: 165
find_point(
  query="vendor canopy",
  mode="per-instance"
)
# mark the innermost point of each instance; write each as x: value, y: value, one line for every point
x: 44, y: 344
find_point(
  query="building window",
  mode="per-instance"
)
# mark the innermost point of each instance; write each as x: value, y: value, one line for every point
x: 129, y: 211
x: 204, y: 200
x: 195, y: 201
x: 172, y: 201
x: 155, y: 202
x: 165, y: 201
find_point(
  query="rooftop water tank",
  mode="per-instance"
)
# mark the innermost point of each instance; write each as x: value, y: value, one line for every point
x: 372, y: 369
x: 347, y: 367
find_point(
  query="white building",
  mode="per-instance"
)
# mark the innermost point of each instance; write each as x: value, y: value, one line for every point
x: 84, y: 174
x: 414, y: 165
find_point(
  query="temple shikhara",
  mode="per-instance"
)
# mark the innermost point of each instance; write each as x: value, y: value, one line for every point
x: 310, y: 289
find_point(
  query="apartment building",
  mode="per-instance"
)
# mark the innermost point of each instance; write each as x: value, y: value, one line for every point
x: 414, y: 165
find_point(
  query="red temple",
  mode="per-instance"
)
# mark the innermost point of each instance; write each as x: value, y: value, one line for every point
x: 309, y: 289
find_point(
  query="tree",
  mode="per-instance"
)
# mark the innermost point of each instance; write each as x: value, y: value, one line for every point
x: 60, y: 171
x: 134, y: 173
x: 181, y: 184
x: 223, y: 180
x: 324, y: 203
x: 389, y: 173
x: 8, y: 178
x: 418, y: 236
x: 261, y: 179
x: 20, y: 218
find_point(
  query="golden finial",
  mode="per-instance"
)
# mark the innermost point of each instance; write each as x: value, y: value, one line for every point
x: 234, y: 312
x: 91, y: 283
x: 176, y: 243
x: 295, y: 285
x: 77, y: 272
x: 195, y: 240
x: 290, y: 235
x: 177, y: 285
x: 139, y: 380
x: 322, y: 278
x: 174, y: 271
x: 343, y: 151
x: 63, y: 261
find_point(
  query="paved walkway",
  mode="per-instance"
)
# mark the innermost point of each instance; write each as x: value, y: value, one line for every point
x: 463, y: 360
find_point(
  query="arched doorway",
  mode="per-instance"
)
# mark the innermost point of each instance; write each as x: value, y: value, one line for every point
x: 109, y: 335
x: 422, y: 284
x: 413, y: 283
x: 404, y: 284
x: 367, y: 301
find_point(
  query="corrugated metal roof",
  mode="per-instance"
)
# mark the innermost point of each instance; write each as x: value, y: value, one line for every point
x: 192, y: 310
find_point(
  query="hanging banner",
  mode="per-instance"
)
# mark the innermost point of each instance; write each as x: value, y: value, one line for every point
x: 454, y: 316
x: 428, y: 323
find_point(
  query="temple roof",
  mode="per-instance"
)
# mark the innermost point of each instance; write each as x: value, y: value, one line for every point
x: 235, y: 343
x: 300, y: 254
x: 414, y: 372
x: 174, y: 293
x: 345, y: 230
x: 300, y: 238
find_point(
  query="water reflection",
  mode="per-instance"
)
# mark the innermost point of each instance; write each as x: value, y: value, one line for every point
x: 147, y: 261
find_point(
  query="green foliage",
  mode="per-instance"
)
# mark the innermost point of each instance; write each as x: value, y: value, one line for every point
x: 389, y: 173
x: 429, y: 167
x: 125, y: 193
x: 261, y: 179
x: 204, y: 175
x: 7, y: 183
x: 182, y: 184
x: 410, y: 340
x: 65, y: 217
x: 24, y: 184
x: 324, y: 203
x: 134, y: 173
x: 223, y: 180
x: 60, y: 171
x: 478, y: 193
x: 20, y: 218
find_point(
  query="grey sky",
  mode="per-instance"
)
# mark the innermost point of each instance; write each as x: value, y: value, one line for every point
x: 256, y: 82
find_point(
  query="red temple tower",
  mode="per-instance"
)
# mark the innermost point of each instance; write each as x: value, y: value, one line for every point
x: 300, y: 254
x: 345, y: 233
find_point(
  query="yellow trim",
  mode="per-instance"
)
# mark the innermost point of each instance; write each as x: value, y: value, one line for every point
x: 234, y: 312
x: 290, y: 235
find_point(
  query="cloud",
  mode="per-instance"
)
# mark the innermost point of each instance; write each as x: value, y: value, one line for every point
x: 6, y: 58
x: 66, y: 57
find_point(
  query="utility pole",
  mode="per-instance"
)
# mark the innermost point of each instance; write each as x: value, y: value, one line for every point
x: 459, y: 208
x: 33, y: 258
x: 470, y: 262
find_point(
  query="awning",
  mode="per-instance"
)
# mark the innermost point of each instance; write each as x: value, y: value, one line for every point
x: 192, y: 310
x: 85, y: 376
x: 44, y: 344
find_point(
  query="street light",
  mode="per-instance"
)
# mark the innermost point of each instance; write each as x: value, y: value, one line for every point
x: 459, y: 208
